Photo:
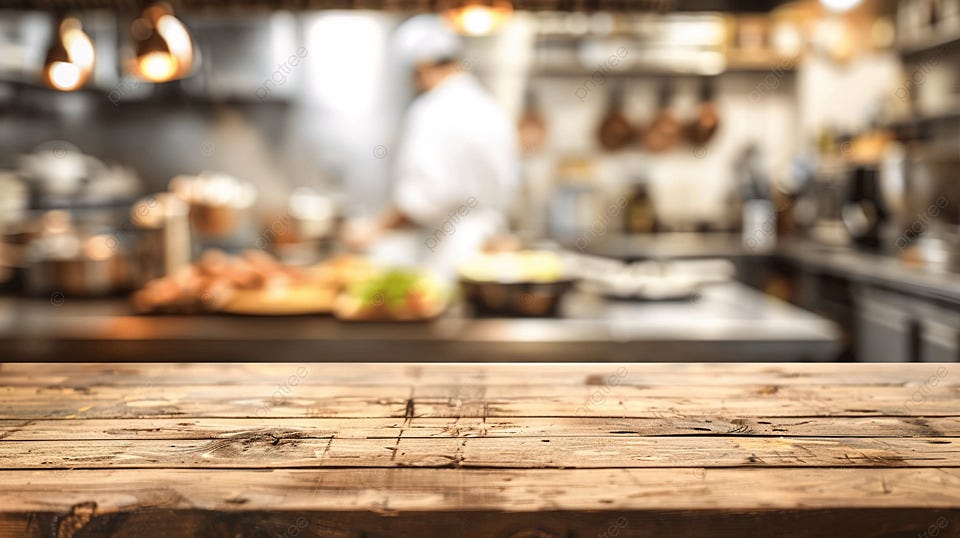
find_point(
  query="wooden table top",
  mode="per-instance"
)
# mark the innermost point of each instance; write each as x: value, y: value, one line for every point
x: 474, y: 450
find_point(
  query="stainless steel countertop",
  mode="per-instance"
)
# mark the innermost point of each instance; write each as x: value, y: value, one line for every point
x: 870, y: 268
x: 669, y: 245
x: 728, y: 322
x: 847, y: 262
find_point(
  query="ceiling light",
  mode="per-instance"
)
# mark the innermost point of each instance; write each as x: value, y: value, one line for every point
x: 840, y: 5
x: 70, y: 58
x: 476, y: 17
x: 164, y: 48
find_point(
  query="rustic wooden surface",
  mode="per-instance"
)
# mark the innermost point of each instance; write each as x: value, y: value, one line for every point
x: 448, y: 450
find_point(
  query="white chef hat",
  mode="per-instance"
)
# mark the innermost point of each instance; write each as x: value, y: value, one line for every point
x: 426, y: 38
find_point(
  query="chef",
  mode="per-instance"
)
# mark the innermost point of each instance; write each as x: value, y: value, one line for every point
x: 456, y: 169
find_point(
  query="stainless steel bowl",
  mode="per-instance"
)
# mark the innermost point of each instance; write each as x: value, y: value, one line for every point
x: 516, y: 299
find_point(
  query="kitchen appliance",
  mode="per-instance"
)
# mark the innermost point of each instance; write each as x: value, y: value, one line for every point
x: 67, y: 258
x: 864, y: 213
x: 307, y: 232
x: 576, y: 209
x: 162, y: 236
x: 60, y: 176
x: 220, y: 207
x: 920, y: 186
x: 817, y: 210
x: 758, y: 216
x: 14, y: 200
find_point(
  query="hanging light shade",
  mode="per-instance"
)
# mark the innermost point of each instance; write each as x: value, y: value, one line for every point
x: 70, y: 58
x: 164, y: 48
x: 477, y: 17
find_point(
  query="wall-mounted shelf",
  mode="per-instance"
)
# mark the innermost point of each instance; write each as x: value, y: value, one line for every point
x: 734, y: 67
x: 923, y: 120
x: 910, y: 51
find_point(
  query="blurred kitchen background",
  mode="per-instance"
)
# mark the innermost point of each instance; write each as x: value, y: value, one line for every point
x: 733, y: 180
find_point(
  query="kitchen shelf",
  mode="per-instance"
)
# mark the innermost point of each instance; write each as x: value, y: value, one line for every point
x: 634, y: 73
x: 658, y: 72
x: 921, y: 121
x: 926, y: 47
x: 20, y: 84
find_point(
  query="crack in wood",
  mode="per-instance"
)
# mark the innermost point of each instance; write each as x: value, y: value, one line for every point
x: 15, y: 429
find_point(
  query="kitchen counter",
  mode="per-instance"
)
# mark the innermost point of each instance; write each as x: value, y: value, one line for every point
x: 865, y: 267
x: 848, y: 262
x: 728, y: 322
x: 479, y: 450
x: 668, y: 246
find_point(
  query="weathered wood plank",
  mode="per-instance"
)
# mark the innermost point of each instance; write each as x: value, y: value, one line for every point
x: 438, y: 490
x: 445, y: 401
x: 827, y: 392
x: 270, y: 450
x: 217, y: 428
x: 711, y: 374
x: 692, y: 450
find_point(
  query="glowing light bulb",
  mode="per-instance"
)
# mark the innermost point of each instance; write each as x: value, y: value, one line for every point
x: 478, y: 19
x: 164, y: 46
x: 157, y: 66
x: 64, y: 76
x: 80, y: 49
x: 840, y: 5
x: 70, y: 57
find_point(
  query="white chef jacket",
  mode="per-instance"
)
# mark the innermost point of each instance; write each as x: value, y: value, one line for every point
x: 457, y: 170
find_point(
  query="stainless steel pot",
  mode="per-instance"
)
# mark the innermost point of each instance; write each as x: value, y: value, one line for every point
x: 65, y: 261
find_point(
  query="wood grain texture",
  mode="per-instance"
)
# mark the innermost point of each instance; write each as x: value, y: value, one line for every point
x: 562, y: 374
x: 276, y: 451
x: 468, y: 450
x: 376, y: 401
x: 96, y: 429
x: 433, y: 490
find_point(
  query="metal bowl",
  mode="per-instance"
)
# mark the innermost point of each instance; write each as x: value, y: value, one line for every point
x: 516, y: 299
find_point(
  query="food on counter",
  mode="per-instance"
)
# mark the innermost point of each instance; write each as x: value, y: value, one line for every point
x: 651, y: 280
x: 526, y: 299
x: 254, y: 283
x: 523, y: 283
x: 341, y: 271
x: 288, y: 300
x: 393, y: 295
x: 520, y: 266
